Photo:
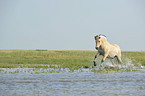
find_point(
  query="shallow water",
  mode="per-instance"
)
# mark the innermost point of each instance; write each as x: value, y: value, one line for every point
x: 72, y: 84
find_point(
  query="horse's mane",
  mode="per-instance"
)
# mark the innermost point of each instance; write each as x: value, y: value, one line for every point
x: 102, y: 36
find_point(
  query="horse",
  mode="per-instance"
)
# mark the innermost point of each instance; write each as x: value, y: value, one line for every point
x: 107, y: 50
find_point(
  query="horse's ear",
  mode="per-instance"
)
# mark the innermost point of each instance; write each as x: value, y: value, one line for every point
x: 96, y: 37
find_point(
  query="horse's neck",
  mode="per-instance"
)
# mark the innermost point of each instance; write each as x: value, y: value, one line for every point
x: 105, y: 45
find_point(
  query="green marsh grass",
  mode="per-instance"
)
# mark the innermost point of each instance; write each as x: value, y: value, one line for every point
x: 32, y: 58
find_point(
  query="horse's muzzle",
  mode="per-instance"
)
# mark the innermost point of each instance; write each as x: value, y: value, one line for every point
x: 97, y: 48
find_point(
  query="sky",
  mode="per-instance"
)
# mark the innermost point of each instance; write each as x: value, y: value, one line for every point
x: 71, y: 24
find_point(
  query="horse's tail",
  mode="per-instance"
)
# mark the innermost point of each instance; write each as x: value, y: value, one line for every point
x: 119, y: 51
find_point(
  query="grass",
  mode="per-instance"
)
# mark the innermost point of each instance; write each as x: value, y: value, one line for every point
x: 137, y: 57
x: 32, y: 58
x: 72, y: 59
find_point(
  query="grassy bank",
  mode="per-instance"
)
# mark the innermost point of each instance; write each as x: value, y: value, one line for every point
x: 62, y: 58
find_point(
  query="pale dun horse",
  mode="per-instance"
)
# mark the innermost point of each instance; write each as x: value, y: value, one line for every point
x: 107, y: 50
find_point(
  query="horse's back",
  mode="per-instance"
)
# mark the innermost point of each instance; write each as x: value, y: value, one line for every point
x: 115, y: 45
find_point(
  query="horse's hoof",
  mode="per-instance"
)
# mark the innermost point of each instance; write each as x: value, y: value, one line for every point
x: 94, y: 63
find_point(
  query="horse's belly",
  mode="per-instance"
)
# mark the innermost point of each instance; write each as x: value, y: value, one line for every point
x: 112, y: 54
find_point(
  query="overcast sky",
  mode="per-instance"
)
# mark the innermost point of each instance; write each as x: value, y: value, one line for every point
x: 71, y: 24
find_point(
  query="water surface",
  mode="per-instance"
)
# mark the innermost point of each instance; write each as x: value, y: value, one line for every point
x: 73, y: 84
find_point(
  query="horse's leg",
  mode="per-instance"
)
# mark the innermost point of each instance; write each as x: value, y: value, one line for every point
x: 103, y: 60
x: 95, y: 59
x: 112, y: 61
x: 119, y: 59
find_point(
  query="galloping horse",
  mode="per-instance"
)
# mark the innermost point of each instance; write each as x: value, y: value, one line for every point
x: 107, y: 50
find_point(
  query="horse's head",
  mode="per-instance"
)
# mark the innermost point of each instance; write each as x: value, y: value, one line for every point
x: 99, y: 40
